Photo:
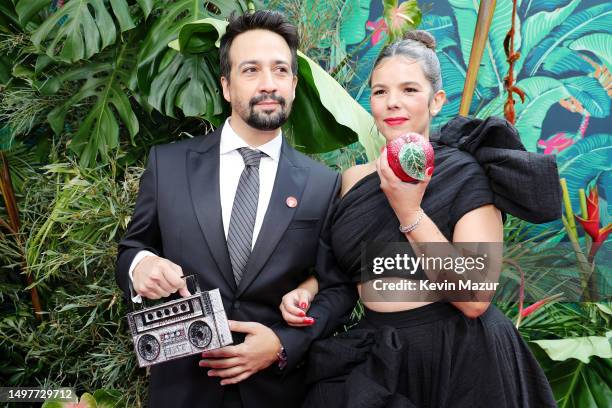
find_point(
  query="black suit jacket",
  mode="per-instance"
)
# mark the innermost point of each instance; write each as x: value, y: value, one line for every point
x: 178, y: 217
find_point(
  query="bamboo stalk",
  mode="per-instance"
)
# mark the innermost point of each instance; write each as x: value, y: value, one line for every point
x: 6, y: 188
x: 585, y: 216
x: 483, y: 23
x: 568, y: 209
x: 583, y: 206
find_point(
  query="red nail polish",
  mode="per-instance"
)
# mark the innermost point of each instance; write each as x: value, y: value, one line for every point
x: 309, y: 320
x: 302, y: 313
x: 303, y: 305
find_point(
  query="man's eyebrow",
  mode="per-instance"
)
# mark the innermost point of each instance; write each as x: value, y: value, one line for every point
x: 249, y: 62
x: 255, y: 62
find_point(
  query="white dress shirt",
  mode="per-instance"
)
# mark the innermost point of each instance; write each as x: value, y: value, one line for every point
x: 231, y: 166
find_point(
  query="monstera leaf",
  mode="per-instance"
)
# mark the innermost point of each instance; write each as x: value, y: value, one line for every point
x: 79, y: 29
x: 104, y: 93
x: 578, y: 370
x: 30, y: 11
x: 168, y: 79
x: 493, y: 67
x: 591, y: 20
x: 324, y: 116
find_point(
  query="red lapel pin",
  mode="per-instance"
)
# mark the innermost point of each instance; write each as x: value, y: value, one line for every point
x: 291, y: 202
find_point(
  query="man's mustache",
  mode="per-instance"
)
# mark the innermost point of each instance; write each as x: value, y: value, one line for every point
x: 266, y: 97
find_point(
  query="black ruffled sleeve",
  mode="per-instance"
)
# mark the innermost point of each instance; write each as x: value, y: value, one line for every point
x: 523, y: 183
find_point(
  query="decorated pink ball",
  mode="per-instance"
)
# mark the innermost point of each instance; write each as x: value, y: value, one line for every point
x: 409, y: 156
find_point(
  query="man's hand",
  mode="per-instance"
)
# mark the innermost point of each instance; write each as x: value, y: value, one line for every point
x: 156, y: 277
x: 237, y: 363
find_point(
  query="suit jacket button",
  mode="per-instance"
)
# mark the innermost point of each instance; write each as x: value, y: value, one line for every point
x: 237, y: 304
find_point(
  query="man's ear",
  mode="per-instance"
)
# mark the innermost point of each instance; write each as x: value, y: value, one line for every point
x: 225, y: 86
x: 295, y: 81
x: 437, y: 102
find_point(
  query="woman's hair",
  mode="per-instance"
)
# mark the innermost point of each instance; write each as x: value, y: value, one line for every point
x: 417, y: 45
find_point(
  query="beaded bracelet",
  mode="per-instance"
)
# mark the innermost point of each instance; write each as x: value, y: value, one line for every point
x: 411, y: 227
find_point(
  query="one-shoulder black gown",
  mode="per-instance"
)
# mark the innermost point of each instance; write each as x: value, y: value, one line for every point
x: 434, y: 356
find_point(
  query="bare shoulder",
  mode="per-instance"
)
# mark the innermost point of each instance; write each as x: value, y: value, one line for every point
x: 352, y: 175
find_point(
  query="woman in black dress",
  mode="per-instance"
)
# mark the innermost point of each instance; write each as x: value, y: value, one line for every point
x: 422, y: 353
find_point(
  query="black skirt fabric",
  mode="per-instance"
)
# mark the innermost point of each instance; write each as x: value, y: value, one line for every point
x: 431, y: 356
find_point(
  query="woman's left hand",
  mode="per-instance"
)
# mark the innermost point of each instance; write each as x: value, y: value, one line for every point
x: 404, y: 198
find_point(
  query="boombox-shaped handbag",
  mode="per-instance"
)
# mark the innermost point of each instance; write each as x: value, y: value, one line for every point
x: 180, y: 327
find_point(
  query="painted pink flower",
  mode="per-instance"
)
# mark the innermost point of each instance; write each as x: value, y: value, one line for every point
x: 379, y: 27
x: 556, y: 143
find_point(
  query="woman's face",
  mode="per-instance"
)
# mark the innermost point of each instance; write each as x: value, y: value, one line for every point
x: 401, y: 99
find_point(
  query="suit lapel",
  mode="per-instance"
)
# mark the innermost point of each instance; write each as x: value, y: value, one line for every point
x: 203, y: 179
x: 290, y: 181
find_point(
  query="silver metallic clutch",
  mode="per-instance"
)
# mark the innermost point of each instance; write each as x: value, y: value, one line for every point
x: 180, y: 327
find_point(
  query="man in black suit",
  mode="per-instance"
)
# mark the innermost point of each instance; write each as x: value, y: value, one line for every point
x: 245, y: 213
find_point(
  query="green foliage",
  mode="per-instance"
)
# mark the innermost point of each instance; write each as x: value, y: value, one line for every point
x: 99, y: 399
x: 73, y: 32
x: 104, y: 63
x: 578, y: 377
x: 105, y: 90
x: 71, y: 220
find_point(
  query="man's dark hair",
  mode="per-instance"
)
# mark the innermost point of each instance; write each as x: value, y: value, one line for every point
x: 258, y: 20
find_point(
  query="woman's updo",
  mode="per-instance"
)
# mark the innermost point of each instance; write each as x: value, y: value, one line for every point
x: 417, y: 45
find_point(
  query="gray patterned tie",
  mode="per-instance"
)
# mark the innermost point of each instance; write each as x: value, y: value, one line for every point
x: 244, y: 209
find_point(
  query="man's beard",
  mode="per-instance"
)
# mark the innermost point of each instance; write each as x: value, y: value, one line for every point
x: 267, y: 120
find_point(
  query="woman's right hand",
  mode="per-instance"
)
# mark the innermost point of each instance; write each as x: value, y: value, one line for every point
x: 294, y: 306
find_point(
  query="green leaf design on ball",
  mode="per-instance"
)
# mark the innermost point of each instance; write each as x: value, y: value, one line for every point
x: 412, y: 160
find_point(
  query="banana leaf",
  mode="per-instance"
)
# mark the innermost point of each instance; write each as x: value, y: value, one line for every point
x: 578, y: 370
x: 540, y: 19
x: 591, y: 20
x: 598, y: 44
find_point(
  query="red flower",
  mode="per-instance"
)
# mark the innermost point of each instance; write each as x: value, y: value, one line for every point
x: 591, y: 223
x: 529, y: 310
